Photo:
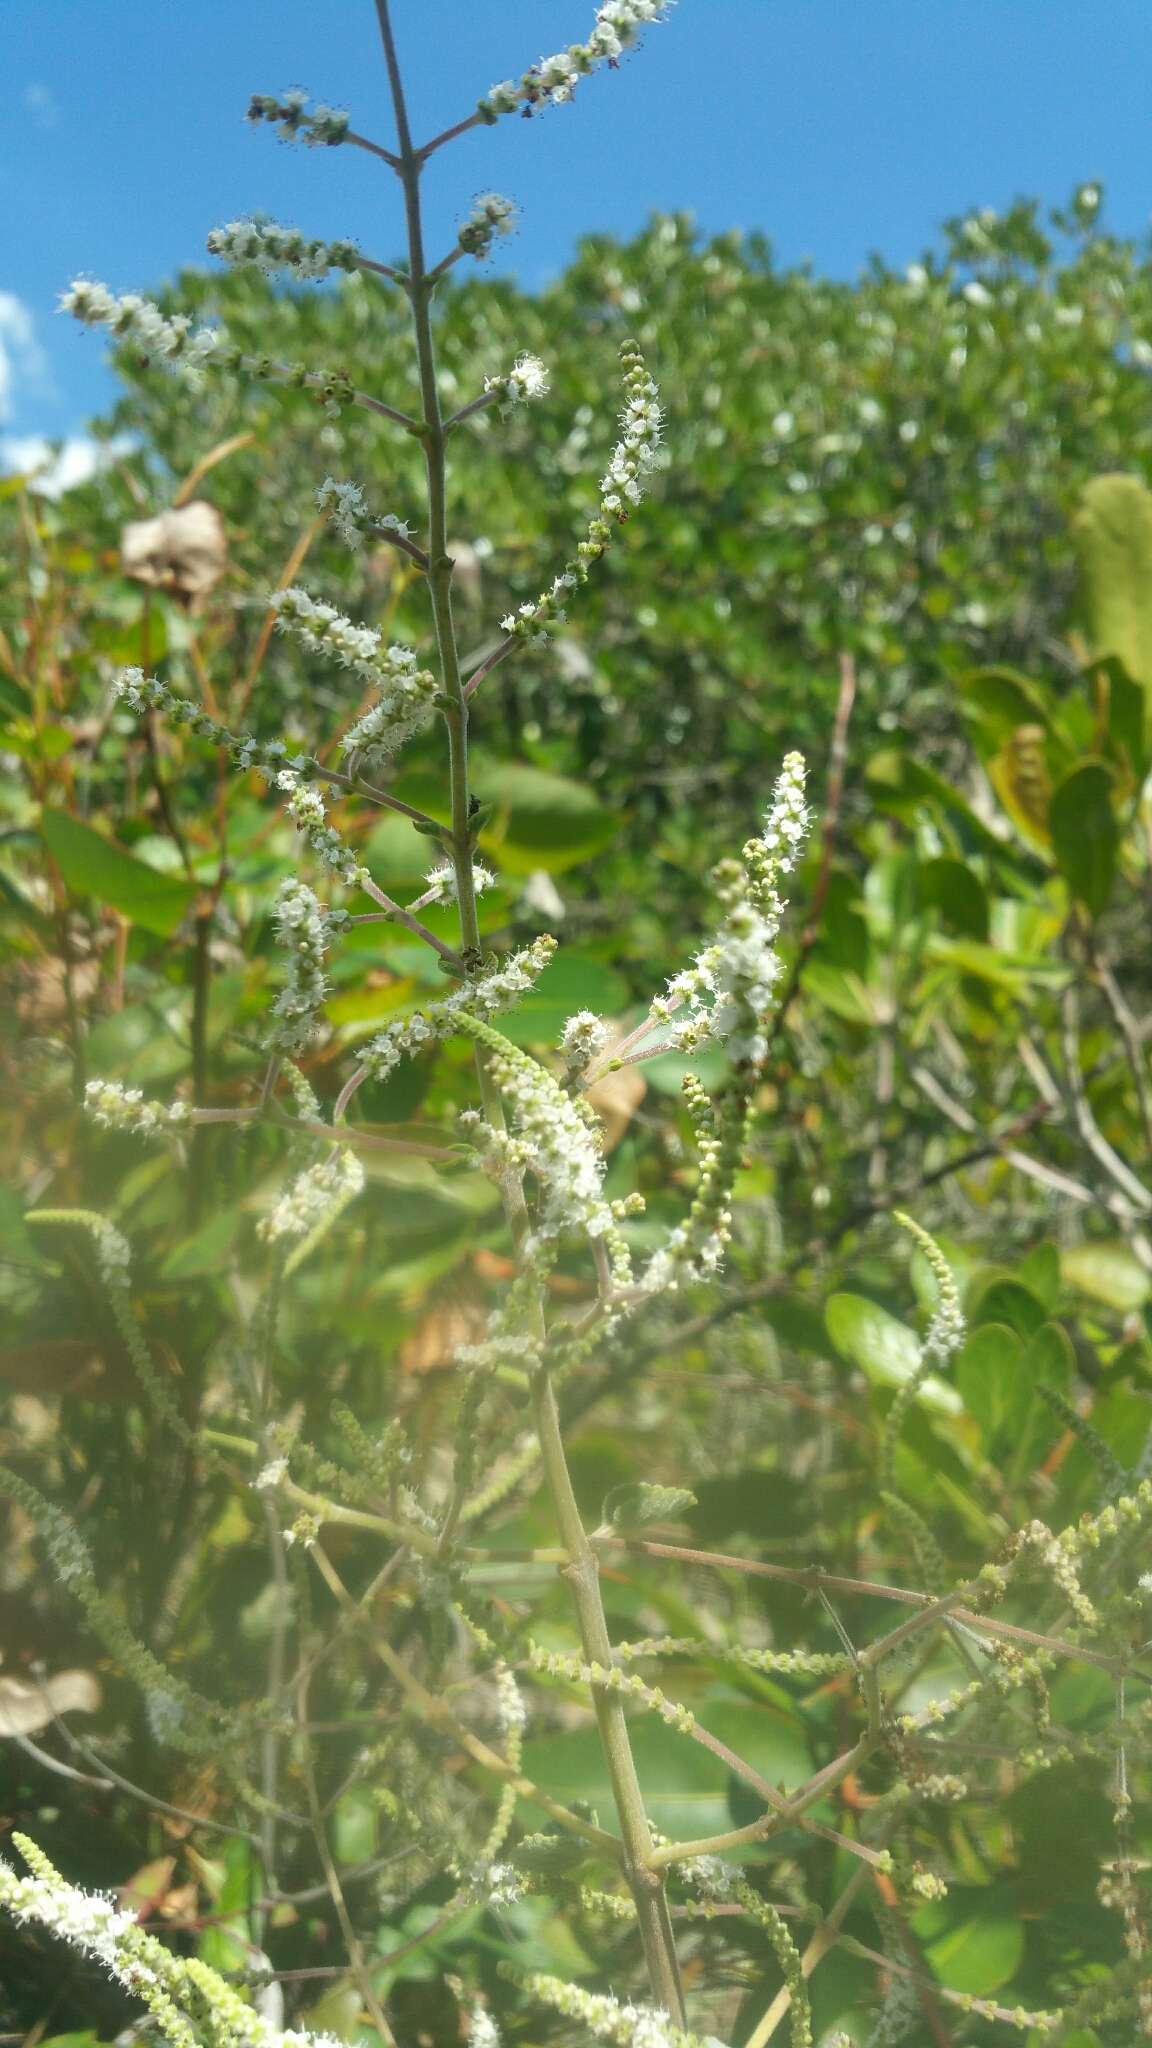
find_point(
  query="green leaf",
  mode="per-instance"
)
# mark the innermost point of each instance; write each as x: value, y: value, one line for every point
x: 1108, y: 1271
x: 845, y: 995
x: 1086, y: 834
x: 1000, y: 700
x: 1112, y: 532
x: 974, y: 1951
x: 990, y: 1376
x: 886, y: 1350
x: 94, y: 866
x: 957, y: 894
x: 1002, y: 1300
x: 540, y: 820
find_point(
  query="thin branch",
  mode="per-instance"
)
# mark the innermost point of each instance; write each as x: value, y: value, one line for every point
x: 399, y: 915
x: 931, y: 1608
x: 401, y: 541
x: 486, y: 667
x: 373, y: 148
x: 1091, y: 1135
x: 442, y: 268
x: 358, y: 787
x: 383, y: 270
x: 475, y: 405
x: 448, y: 135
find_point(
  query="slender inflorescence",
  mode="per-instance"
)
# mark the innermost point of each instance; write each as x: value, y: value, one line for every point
x: 554, y: 79
x: 271, y: 248
x: 187, y: 2001
x: 622, y: 488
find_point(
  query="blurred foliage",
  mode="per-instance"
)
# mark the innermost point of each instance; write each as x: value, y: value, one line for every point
x: 904, y: 521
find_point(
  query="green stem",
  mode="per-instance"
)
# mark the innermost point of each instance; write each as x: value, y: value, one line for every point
x: 583, y: 1574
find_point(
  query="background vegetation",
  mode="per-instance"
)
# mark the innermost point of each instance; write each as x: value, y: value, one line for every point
x: 904, y: 527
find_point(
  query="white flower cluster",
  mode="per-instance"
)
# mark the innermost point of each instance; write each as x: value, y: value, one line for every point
x: 483, y: 2031
x: 532, y: 621
x: 621, y: 488
x: 404, y: 706
x: 171, y: 336
x: 503, y: 1347
x: 527, y: 378
x: 322, y: 628
x: 554, y: 79
x: 484, y: 998
x: 125, y: 1109
x: 315, y: 1196
x: 491, y: 217
x: 113, y: 1252
x: 442, y: 884
x: 269, y: 1476
x: 87, y: 1920
x: 680, y: 1260
x: 947, y: 1329
x: 288, y: 111
x: 609, y: 2019
x: 510, y: 1707
x: 496, y: 1884
x: 140, y: 693
x: 728, y: 988
x: 347, y: 507
x: 552, y: 1138
x: 275, y: 248
x: 305, y: 807
x: 178, y: 1991
x: 583, y: 1036
x: 406, y: 691
x: 642, y: 421
x: 711, y: 1876
x: 305, y: 929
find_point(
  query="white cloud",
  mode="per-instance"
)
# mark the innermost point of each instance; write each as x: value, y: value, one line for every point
x: 21, y: 357
x: 53, y: 467
x: 41, y: 105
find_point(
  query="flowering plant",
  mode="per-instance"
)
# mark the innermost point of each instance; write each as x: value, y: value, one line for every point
x: 432, y: 1615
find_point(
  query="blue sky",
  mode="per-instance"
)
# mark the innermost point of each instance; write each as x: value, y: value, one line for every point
x: 839, y: 127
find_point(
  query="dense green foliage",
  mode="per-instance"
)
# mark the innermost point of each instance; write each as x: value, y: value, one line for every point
x: 889, y: 532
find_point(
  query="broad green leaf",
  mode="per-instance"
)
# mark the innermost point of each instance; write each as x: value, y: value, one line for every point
x: 94, y: 866
x: 886, y: 1350
x: 974, y: 1943
x: 1112, y: 532
x: 1000, y: 700
x: 957, y: 894
x: 998, y: 1299
x: 540, y: 820
x: 990, y: 1376
x: 1108, y: 1271
x: 1086, y: 834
